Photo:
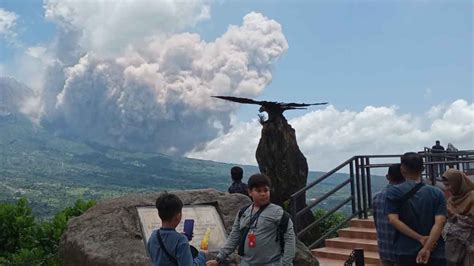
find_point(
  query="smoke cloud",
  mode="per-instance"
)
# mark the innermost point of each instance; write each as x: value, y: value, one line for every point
x: 108, y: 26
x: 128, y: 76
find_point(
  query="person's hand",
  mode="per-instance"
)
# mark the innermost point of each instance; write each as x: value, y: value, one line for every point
x: 186, y: 235
x: 423, y: 256
x: 212, y: 263
x: 423, y: 240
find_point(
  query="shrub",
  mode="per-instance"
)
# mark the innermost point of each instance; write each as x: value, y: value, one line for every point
x: 329, y: 222
x: 25, y: 242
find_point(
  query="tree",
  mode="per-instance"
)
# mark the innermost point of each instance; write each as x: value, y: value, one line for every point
x: 17, y: 227
x: 25, y: 242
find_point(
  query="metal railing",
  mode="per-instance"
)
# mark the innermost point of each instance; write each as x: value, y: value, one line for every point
x: 357, y: 257
x: 360, y: 182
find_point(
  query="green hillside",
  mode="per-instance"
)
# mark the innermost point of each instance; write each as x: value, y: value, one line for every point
x: 53, y: 172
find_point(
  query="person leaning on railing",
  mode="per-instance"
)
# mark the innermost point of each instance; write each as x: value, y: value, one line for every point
x: 459, y: 230
x: 450, y: 157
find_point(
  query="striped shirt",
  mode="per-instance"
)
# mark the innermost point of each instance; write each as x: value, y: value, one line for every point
x: 385, y: 231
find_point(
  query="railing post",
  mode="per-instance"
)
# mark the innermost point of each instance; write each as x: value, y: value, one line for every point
x: 369, y: 182
x: 359, y: 203
x: 364, y: 187
x: 464, y: 166
x: 359, y: 257
x: 458, y: 165
x: 351, y: 173
x: 429, y: 167
x: 293, y: 214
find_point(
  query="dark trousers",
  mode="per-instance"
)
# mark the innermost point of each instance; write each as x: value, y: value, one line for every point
x: 411, y: 261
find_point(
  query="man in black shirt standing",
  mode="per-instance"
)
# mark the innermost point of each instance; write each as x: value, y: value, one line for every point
x: 237, y: 186
x: 438, y: 168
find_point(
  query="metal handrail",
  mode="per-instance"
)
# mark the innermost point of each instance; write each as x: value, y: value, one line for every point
x: 380, y: 165
x: 448, y: 162
x: 357, y: 257
x: 312, y: 184
x: 360, y: 185
x: 325, y: 196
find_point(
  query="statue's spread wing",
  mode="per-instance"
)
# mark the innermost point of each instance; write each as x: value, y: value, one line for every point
x: 239, y: 100
x: 267, y: 104
x: 293, y: 108
x: 301, y: 104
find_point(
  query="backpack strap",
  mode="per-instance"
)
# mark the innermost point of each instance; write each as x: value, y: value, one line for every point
x: 402, y: 202
x: 242, y: 237
x: 162, y: 246
x: 282, y: 227
x: 410, y: 193
x: 242, y: 210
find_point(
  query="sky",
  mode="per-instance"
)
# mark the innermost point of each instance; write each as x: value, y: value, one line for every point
x: 397, y: 74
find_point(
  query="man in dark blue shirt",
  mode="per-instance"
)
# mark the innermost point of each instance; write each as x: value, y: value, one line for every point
x: 237, y: 186
x: 418, y: 212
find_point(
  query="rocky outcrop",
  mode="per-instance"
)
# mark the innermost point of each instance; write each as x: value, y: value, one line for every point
x: 280, y: 158
x: 109, y: 233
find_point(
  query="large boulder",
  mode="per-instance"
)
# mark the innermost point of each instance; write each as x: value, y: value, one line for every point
x: 109, y: 233
x: 280, y: 158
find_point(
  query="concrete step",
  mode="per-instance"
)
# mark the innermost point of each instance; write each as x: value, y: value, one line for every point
x: 358, y: 232
x: 370, y: 257
x: 331, y: 262
x: 352, y: 243
x: 364, y: 223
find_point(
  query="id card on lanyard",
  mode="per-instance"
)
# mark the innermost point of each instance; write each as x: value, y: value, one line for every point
x: 251, y: 238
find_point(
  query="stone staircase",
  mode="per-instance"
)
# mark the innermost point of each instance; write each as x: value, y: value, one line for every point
x: 360, y: 234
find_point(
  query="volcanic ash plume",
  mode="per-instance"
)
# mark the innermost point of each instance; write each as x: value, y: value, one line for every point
x: 156, y: 96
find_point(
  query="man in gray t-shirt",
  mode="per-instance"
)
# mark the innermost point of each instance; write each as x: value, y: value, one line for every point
x: 261, y: 245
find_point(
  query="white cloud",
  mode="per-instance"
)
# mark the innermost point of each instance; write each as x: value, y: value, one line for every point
x: 328, y: 137
x: 237, y: 146
x: 7, y: 22
x: 36, y: 51
x: 109, y: 26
